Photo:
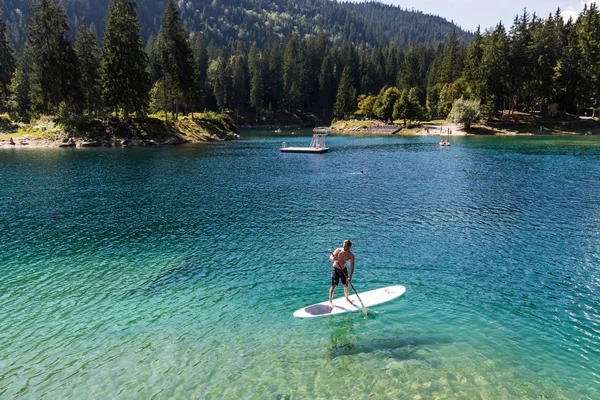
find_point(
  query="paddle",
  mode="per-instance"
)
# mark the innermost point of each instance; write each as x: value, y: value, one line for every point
x: 364, y: 309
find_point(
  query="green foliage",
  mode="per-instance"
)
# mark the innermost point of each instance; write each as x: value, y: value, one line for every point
x: 449, y: 94
x: 200, y: 57
x: 7, y: 63
x: 224, y: 21
x: 345, y: 101
x: 18, y: 100
x: 89, y: 56
x: 54, y: 66
x: 384, y: 106
x: 407, y: 107
x: 366, y: 105
x: 177, y: 59
x: 465, y: 112
x: 125, y: 80
x: 218, y: 80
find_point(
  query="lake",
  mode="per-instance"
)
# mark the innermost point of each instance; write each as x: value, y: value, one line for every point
x: 174, y: 272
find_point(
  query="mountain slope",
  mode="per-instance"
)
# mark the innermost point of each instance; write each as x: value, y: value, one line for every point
x: 226, y: 21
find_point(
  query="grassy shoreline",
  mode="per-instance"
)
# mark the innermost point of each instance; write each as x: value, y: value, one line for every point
x: 89, y: 131
x: 507, y: 124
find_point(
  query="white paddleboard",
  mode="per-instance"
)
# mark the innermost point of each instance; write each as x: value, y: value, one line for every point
x: 340, y: 305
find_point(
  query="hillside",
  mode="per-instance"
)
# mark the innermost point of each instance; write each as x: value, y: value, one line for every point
x: 226, y: 21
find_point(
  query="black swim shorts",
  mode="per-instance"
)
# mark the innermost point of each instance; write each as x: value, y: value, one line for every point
x: 337, y: 274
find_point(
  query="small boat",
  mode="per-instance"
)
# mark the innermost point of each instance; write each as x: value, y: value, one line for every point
x: 278, y: 130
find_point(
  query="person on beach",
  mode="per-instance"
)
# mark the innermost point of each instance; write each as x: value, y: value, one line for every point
x: 340, y: 258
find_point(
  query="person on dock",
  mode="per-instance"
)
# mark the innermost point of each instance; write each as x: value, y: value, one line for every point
x: 340, y: 258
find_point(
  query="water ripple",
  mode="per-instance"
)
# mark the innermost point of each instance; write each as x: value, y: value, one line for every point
x: 174, y: 272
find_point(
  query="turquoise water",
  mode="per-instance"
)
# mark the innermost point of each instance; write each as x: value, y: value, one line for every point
x: 173, y: 272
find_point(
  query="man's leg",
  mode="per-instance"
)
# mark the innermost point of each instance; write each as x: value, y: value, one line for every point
x: 331, y: 290
x: 346, y: 293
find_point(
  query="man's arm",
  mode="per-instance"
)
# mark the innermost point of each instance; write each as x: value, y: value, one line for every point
x: 333, y: 255
x: 351, y: 266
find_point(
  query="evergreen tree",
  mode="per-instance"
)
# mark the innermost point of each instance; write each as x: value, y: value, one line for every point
x: 472, y: 72
x: 89, y: 57
x: 407, y: 106
x: 327, y: 87
x: 410, y: 74
x: 18, y: 100
x: 218, y: 78
x: 567, y: 76
x: 239, y: 78
x: 519, y: 73
x: 257, y: 90
x: 544, y: 50
x: 257, y: 85
x: 125, y: 79
x: 291, y: 73
x: 154, y: 59
x: 54, y: 69
x: 345, y: 101
x: 7, y: 63
x: 274, y: 85
x: 452, y: 61
x: 587, y: 29
x: 201, y: 59
x: 177, y: 59
x: 495, y: 69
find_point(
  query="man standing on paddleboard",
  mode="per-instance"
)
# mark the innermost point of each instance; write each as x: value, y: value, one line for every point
x: 340, y: 258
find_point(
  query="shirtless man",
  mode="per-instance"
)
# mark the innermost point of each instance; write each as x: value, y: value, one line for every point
x: 340, y: 258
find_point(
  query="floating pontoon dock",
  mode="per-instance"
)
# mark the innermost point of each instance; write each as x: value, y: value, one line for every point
x: 316, y: 146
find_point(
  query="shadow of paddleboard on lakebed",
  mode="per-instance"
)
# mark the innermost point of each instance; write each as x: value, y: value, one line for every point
x: 401, y: 347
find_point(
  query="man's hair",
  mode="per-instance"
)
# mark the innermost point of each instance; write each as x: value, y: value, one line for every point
x: 347, y: 242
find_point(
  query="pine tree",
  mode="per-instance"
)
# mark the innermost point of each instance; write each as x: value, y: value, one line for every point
x: 201, y: 60
x: 567, y: 76
x: 154, y: 62
x: 291, y: 73
x: 89, y: 57
x: 18, y: 100
x: 495, y: 69
x: 125, y: 79
x: 472, y: 72
x: 345, y: 101
x: 239, y: 78
x: 7, y: 63
x: 519, y: 60
x: 452, y: 62
x: 327, y: 87
x: 256, y: 70
x: 219, y: 78
x: 587, y: 29
x: 54, y: 69
x: 177, y: 59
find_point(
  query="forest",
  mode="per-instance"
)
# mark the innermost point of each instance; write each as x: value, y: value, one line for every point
x: 307, y: 70
x: 225, y: 22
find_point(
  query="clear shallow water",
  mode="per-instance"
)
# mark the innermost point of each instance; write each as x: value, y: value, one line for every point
x: 173, y: 272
